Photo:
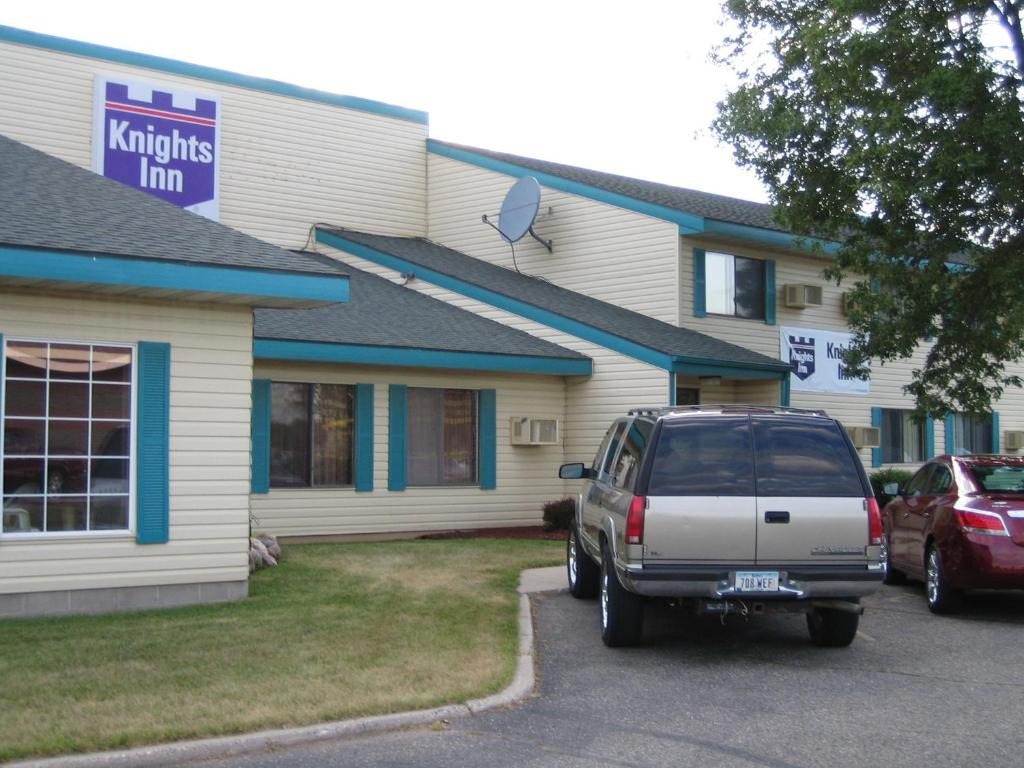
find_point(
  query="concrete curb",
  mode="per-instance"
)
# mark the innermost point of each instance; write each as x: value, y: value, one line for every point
x: 532, y: 581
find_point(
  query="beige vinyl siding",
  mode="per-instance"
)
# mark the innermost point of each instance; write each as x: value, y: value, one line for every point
x: 209, y: 446
x: 602, y: 251
x: 618, y: 381
x: 285, y: 162
x: 887, y: 381
x: 527, y: 476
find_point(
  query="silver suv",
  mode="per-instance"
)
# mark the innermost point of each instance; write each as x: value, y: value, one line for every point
x: 727, y: 509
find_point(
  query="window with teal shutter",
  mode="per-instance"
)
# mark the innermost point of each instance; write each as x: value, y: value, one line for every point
x: 398, y: 409
x: 699, y: 284
x: 769, y: 292
x: 488, y: 439
x: 261, y: 436
x: 364, y: 437
x: 153, y: 430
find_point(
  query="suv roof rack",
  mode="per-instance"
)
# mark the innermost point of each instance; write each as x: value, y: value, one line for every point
x: 667, y: 410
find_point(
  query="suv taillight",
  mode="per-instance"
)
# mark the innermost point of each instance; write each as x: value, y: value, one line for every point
x: 874, y: 521
x: 635, y: 520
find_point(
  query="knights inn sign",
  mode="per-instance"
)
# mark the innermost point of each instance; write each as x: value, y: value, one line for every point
x: 816, y: 359
x: 159, y: 139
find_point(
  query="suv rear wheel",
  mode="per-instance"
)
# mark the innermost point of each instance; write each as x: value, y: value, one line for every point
x: 584, y: 575
x: 831, y: 628
x: 622, y: 613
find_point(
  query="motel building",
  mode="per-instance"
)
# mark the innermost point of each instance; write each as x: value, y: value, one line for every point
x: 224, y: 297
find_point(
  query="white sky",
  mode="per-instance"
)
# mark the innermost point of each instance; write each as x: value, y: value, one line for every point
x: 624, y: 87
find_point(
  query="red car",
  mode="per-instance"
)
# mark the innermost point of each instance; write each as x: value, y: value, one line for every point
x: 958, y: 525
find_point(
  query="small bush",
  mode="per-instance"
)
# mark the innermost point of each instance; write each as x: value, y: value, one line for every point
x: 558, y: 514
x: 884, y: 477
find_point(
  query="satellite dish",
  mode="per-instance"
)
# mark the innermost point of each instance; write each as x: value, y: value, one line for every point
x: 518, y: 212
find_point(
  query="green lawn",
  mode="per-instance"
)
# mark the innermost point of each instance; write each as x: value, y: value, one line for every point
x: 335, y: 631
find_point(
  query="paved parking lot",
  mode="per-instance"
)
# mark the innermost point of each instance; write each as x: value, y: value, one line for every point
x: 913, y: 689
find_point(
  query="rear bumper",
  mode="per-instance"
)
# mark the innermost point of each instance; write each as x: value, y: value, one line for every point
x: 977, y: 561
x: 802, y: 582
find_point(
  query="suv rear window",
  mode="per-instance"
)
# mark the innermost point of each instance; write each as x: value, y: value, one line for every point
x: 703, y: 457
x: 803, y: 457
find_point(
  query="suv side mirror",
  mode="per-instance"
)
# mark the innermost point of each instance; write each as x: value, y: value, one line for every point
x: 892, y: 489
x: 575, y: 471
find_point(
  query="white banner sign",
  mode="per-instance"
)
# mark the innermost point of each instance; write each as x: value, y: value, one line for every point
x: 816, y: 358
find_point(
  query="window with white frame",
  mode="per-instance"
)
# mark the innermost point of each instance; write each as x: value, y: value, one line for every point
x: 68, y: 410
x: 734, y: 285
x: 903, y: 439
x: 442, y: 436
x: 312, y: 433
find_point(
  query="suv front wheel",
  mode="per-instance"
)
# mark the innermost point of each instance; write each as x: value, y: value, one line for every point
x: 622, y: 612
x: 584, y: 575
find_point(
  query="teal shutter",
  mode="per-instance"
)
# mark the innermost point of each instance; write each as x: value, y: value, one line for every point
x: 260, y: 435
x: 769, y: 292
x: 995, y: 432
x: 784, y: 391
x: 364, y: 437
x: 671, y: 388
x: 398, y: 413
x: 700, y: 284
x: 153, y: 434
x: 876, y: 421
x: 487, y: 424
x: 950, y: 442
x: 929, y: 438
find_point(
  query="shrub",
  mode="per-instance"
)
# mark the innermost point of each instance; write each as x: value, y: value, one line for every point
x: 558, y: 514
x: 884, y: 477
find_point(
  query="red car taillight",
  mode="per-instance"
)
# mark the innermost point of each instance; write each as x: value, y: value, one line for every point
x: 874, y: 521
x: 974, y: 521
x: 635, y: 520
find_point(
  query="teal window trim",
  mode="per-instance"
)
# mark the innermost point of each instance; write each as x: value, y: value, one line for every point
x: 995, y: 432
x: 364, y: 438
x: 398, y: 446
x: 152, y: 493
x: 700, y: 283
x: 784, y: 392
x: 103, y: 269
x: 769, y: 292
x: 929, y: 438
x: 210, y: 74
x: 950, y: 438
x: 487, y: 426
x: 876, y: 421
x: 260, y: 436
x: 280, y: 349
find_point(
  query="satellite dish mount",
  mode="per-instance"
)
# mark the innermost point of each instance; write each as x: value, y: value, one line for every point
x: 518, y: 212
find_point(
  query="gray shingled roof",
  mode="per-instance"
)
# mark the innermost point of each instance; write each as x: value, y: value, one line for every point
x: 382, y: 313
x: 623, y: 323
x: 48, y: 203
x: 704, y: 204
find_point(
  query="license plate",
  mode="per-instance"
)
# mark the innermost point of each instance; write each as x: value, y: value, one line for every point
x: 757, y: 581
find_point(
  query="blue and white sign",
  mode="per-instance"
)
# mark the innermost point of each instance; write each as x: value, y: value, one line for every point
x: 816, y: 359
x: 162, y: 140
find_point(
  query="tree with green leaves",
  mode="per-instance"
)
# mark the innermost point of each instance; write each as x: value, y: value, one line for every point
x: 895, y: 129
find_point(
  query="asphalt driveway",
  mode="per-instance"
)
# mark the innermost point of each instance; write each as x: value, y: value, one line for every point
x: 913, y: 689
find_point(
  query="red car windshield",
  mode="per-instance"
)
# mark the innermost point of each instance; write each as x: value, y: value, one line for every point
x: 995, y: 478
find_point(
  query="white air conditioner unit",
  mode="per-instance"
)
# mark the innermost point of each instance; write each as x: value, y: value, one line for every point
x: 801, y: 296
x: 529, y: 430
x: 865, y: 437
x: 1013, y: 440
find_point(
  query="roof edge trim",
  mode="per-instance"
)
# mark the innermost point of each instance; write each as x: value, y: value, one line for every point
x: 410, y: 357
x: 224, y: 77
x: 699, y: 366
x: 688, y: 223
x: 102, y: 269
x: 772, y: 237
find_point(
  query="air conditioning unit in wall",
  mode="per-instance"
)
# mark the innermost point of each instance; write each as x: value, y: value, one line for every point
x: 801, y: 296
x: 529, y: 430
x: 1013, y: 440
x: 865, y: 437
